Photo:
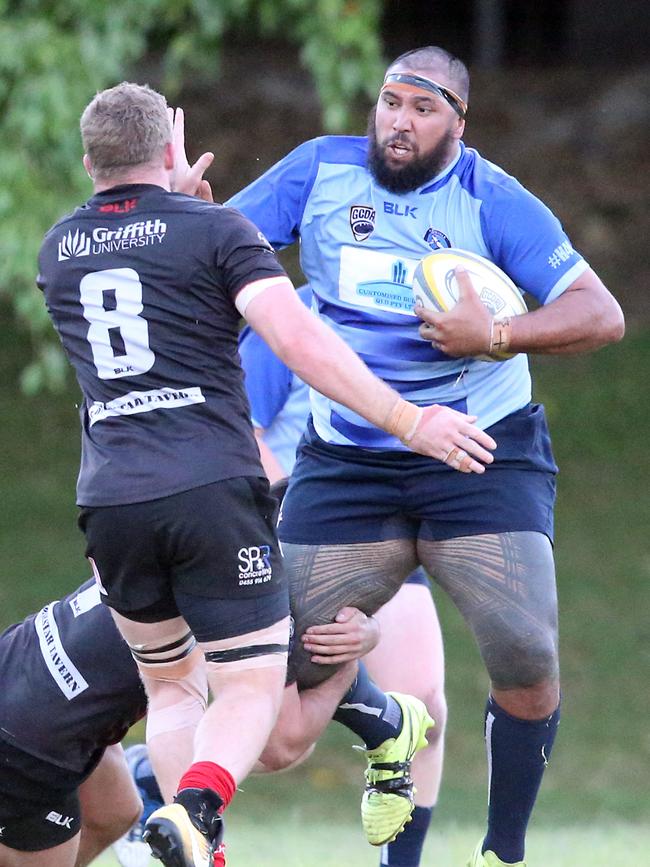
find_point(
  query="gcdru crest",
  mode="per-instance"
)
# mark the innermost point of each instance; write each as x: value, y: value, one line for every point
x: 362, y: 221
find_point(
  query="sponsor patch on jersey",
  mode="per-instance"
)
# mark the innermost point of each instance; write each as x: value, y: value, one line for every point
x: 64, y: 672
x: 73, y: 245
x: 387, y: 283
x: 436, y: 239
x: 144, y: 401
x: 143, y: 233
x: 362, y: 221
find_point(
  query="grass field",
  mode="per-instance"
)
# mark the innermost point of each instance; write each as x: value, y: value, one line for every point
x: 263, y: 844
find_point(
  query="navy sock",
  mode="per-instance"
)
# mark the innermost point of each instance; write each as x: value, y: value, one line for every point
x: 406, y: 849
x: 369, y: 712
x: 518, y: 751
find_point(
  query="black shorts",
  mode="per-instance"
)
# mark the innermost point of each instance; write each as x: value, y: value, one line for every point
x: 39, y: 801
x: 209, y: 554
x: 341, y: 495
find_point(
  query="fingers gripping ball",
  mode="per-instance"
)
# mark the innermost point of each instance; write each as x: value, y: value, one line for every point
x: 435, y: 287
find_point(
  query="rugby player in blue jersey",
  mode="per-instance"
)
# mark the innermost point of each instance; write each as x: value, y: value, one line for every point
x: 145, y: 288
x: 361, y: 512
x: 409, y: 656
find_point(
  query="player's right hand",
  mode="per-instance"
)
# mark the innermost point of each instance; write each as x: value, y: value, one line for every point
x: 185, y: 178
x: 453, y: 438
x: 350, y: 636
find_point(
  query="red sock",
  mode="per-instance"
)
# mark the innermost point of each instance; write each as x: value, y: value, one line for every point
x: 208, y: 775
x: 219, y: 859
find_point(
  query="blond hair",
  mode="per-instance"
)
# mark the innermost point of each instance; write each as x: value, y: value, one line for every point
x: 124, y: 127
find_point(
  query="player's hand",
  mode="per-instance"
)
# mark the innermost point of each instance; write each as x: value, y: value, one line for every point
x: 185, y: 178
x: 453, y: 438
x: 350, y: 636
x: 465, y: 329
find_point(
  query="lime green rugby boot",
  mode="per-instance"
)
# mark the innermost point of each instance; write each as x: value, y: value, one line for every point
x: 388, y: 802
x: 489, y: 859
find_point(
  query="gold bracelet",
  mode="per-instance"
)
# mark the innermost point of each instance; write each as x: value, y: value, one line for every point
x: 500, y: 336
x: 403, y: 420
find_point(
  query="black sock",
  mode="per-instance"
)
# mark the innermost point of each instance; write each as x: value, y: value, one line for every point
x: 518, y: 751
x: 406, y: 849
x: 367, y: 711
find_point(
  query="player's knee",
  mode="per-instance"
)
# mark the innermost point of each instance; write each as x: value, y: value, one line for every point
x: 522, y: 660
x: 112, y: 823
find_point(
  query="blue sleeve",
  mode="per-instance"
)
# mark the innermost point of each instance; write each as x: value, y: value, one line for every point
x: 527, y: 241
x: 275, y: 202
x: 268, y: 380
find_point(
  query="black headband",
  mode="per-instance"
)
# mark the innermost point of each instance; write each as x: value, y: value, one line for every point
x: 407, y: 78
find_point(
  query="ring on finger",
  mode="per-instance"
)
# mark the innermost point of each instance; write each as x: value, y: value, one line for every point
x: 465, y: 464
x: 450, y: 457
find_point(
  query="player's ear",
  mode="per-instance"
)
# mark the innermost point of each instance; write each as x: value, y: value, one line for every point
x: 88, y: 167
x: 169, y: 156
x: 459, y: 129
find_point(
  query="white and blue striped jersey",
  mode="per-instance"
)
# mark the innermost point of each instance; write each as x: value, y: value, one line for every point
x: 278, y: 398
x: 360, y: 245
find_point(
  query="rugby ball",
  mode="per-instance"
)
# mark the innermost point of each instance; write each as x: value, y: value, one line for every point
x: 435, y: 286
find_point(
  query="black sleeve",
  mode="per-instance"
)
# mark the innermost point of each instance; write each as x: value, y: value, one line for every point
x: 242, y: 253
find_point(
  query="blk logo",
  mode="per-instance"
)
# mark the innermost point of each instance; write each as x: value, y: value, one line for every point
x: 400, y: 210
x: 58, y: 819
x: 119, y: 207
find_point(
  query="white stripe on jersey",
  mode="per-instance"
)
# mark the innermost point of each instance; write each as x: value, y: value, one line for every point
x: 65, y: 674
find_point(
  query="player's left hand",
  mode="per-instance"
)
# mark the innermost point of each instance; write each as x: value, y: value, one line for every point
x: 350, y: 636
x: 465, y: 329
x: 185, y: 178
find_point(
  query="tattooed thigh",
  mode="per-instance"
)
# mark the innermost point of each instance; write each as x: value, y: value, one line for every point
x: 504, y: 586
x: 325, y: 578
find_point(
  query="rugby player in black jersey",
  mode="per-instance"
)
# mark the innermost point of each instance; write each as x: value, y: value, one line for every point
x: 146, y: 288
x: 66, y: 793
x: 70, y: 691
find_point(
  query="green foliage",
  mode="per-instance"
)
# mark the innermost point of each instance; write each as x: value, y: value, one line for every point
x: 55, y: 56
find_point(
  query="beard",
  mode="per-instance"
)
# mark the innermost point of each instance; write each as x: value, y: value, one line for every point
x: 414, y: 173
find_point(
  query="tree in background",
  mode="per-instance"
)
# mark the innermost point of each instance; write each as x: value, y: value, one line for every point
x: 55, y: 56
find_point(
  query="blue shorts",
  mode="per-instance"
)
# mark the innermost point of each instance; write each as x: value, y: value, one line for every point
x: 340, y: 495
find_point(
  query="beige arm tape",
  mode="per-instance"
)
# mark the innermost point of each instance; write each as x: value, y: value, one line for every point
x: 402, y: 420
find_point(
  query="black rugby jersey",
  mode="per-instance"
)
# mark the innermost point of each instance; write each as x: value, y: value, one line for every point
x: 140, y: 283
x: 70, y: 686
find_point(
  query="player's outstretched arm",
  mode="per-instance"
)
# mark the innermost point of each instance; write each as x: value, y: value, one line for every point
x: 319, y: 357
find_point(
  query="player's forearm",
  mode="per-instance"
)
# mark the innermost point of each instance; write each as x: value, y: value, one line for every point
x: 580, y: 320
x: 320, y: 358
